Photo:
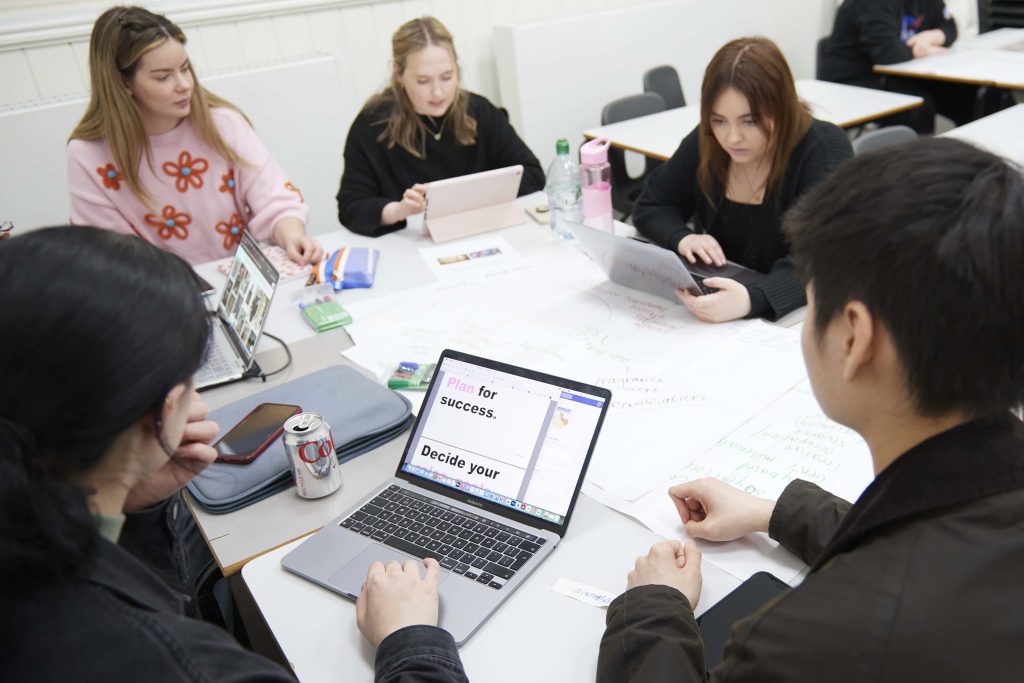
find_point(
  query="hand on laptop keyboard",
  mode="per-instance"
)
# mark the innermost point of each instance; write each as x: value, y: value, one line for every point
x: 464, y: 543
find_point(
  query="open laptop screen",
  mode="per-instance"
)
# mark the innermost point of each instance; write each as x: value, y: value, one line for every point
x: 511, y: 440
x: 245, y: 301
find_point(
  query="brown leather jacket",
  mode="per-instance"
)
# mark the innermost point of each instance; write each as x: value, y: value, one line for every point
x: 921, y: 580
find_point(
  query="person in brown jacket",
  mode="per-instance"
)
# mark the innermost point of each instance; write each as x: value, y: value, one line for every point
x: 914, y: 338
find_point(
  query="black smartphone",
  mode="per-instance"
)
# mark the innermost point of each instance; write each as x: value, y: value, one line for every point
x: 257, y: 430
x: 747, y: 598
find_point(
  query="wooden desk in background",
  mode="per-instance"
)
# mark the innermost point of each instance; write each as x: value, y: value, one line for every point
x: 1000, y: 133
x: 993, y: 59
x: 658, y: 135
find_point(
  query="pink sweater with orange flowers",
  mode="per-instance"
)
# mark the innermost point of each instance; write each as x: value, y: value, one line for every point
x: 200, y: 204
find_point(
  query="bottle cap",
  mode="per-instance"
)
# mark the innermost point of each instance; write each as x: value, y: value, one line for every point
x: 595, y: 152
x: 562, y: 146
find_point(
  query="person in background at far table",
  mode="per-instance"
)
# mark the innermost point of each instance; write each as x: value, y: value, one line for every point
x: 755, y: 152
x: 158, y: 156
x: 914, y: 340
x: 98, y: 434
x: 422, y: 127
x: 870, y: 32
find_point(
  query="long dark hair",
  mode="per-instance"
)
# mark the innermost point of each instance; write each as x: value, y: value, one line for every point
x: 756, y: 68
x: 97, y: 328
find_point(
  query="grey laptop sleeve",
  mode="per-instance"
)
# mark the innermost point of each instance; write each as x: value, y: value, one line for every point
x: 362, y: 415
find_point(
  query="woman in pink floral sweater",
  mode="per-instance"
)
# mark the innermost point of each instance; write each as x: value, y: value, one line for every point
x: 159, y: 156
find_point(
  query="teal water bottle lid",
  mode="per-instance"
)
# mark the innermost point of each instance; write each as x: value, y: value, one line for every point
x: 562, y: 146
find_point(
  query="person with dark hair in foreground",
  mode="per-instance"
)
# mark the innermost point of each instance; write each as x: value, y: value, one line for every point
x: 99, y: 430
x: 915, y: 339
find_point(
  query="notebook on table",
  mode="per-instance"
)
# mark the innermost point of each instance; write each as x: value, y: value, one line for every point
x: 472, y: 204
x: 486, y: 485
x: 650, y: 268
x: 242, y: 311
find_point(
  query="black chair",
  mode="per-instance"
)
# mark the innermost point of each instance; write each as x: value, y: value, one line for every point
x: 882, y: 137
x: 817, y: 56
x: 625, y: 188
x: 664, y: 81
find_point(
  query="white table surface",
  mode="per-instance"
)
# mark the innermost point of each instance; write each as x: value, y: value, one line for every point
x: 658, y: 135
x: 992, y: 59
x: 536, y: 635
x: 236, y: 537
x: 537, y: 631
x: 1001, y: 133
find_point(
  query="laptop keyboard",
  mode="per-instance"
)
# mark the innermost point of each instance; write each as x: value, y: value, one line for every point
x: 217, y: 365
x: 475, y: 547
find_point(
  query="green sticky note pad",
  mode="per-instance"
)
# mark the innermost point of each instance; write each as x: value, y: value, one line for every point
x: 326, y: 316
x: 414, y: 376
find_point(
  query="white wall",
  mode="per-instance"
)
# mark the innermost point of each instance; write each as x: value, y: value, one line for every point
x: 557, y: 75
x: 44, y: 45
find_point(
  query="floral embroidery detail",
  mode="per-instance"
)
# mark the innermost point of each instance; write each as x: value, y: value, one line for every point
x: 187, y: 172
x: 111, y: 176
x: 288, y: 186
x: 228, y: 184
x: 170, y: 224
x: 232, y: 231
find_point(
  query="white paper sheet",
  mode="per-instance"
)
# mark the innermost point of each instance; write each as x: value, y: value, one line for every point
x: 469, y: 259
x: 791, y: 439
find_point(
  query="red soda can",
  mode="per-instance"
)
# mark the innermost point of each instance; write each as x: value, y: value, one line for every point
x: 310, y: 447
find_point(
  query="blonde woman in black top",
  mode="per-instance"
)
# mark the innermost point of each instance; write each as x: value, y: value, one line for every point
x: 422, y: 127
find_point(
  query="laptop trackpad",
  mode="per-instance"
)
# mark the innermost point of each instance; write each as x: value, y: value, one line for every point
x: 349, y: 579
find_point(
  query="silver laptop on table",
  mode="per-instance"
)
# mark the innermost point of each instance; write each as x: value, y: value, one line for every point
x: 242, y: 312
x: 486, y: 485
x: 650, y: 268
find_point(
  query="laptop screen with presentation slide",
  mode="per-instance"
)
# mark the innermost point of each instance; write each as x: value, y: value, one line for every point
x: 486, y: 485
x: 242, y: 312
x: 516, y: 443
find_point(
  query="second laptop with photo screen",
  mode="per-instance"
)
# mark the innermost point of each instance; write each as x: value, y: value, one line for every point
x: 486, y: 485
x: 242, y: 312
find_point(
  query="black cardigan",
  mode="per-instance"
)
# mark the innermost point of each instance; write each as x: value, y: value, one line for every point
x: 116, y: 620
x: 375, y: 175
x: 672, y: 197
x: 869, y: 32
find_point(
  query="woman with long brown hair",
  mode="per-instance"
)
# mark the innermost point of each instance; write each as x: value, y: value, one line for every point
x: 422, y: 127
x: 756, y: 150
x: 159, y: 156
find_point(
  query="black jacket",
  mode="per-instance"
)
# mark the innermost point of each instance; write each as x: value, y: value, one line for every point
x: 920, y: 580
x: 671, y: 197
x: 375, y: 175
x: 869, y: 32
x: 117, y: 621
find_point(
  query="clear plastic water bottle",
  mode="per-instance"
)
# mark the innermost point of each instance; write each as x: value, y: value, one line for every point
x: 565, y: 199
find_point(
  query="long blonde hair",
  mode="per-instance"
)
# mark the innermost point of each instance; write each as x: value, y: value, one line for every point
x: 756, y: 68
x: 120, y: 37
x: 404, y: 126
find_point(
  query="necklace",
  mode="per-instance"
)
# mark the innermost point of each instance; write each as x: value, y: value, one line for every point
x: 436, y: 134
x: 755, y: 192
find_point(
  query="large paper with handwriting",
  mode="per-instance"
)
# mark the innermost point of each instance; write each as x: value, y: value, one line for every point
x: 688, y: 399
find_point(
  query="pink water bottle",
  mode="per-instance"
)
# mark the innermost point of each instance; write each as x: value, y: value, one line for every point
x: 595, y: 178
